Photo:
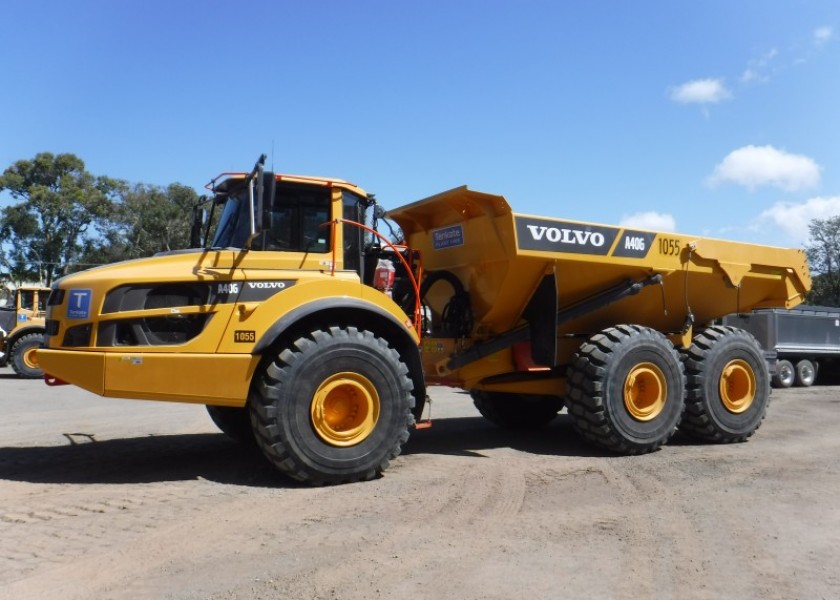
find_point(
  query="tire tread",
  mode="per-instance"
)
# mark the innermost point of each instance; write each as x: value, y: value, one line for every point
x: 697, y: 421
x: 276, y: 374
x: 585, y: 389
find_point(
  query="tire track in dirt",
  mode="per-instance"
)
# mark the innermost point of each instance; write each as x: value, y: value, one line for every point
x: 487, y: 494
x: 662, y: 543
x: 468, y: 516
x: 57, y: 526
x: 476, y: 501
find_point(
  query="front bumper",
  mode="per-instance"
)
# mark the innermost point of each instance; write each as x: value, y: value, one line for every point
x: 219, y: 379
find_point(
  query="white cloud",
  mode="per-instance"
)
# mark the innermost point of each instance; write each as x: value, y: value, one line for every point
x: 700, y: 91
x: 752, y: 75
x: 761, y: 69
x: 823, y: 35
x: 649, y: 220
x: 756, y: 166
x: 793, y: 219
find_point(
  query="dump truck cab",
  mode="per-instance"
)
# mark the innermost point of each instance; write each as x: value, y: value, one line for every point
x: 22, y: 329
x: 283, y: 275
x: 292, y: 216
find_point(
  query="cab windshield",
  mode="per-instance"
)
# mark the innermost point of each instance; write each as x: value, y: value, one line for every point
x: 234, y: 227
x: 297, y: 220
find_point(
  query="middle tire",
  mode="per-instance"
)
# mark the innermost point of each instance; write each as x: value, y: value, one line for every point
x: 625, y: 389
x: 517, y: 411
x: 234, y: 422
x: 334, y: 406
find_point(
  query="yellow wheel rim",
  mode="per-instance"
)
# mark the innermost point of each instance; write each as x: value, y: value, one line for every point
x: 345, y: 409
x: 30, y: 358
x: 645, y: 391
x: 737, y: 386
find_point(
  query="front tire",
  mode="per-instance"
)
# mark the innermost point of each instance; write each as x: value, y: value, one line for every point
x: 517, y: 411
x: 625, y: 388
x: 728, y: 387
x: 24, y: 356
x: 334, y: 406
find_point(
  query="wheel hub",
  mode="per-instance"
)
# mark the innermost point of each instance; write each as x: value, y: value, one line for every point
x: 645, y: 391
x: 345, y: 409
x: 737, y: 386
x: 30, y: 358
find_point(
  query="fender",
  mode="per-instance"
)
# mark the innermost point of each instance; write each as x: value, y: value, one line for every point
x: 356, y: 312
x: 325, y: 304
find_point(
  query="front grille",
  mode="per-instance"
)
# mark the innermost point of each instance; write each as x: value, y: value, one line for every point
x: 152, y: 331
x: 77, y: 337
x: 148, y: 297
x: 51, y: 327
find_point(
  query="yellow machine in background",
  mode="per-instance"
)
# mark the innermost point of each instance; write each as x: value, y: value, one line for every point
x: 22, y: 329
x: 301, y: 329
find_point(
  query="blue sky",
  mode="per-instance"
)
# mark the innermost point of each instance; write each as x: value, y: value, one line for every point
x: 714, y: 118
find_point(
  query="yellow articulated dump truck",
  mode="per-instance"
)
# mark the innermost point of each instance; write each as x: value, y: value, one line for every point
x: 22, y: 329
x: 307, y: 332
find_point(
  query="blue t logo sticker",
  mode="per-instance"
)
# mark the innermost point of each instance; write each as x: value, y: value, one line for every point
x: 78, y: 307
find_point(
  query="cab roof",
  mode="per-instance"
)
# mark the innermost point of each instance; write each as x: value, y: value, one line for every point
x: 224, y: 181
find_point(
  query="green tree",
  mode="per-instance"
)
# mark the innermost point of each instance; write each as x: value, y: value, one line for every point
x: 145, y: 220
x: 7, y: 269
x: 824, y: 259
x: 54, y: 222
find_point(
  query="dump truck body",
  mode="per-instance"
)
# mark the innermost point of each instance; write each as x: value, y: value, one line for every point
x: 504, y: 258
x: 302, y: 330
x: 804, y: 341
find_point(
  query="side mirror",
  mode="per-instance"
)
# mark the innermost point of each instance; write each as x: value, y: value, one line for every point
x: 266, y: 185
x: 199, y: 219
x: 259, y: 201
x: 255, y: 197
x: 269, y: 186
x: 197, y: 226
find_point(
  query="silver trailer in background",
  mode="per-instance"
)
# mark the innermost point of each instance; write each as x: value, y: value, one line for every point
x: 805, y: 340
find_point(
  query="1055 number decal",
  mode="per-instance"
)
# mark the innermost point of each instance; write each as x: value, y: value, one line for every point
x: 244, y: 337
x: 669, y: 246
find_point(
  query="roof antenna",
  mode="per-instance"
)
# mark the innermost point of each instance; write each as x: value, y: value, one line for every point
x: 272, y: 155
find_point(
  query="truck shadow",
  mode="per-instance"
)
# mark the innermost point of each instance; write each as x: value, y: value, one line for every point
x: 148, y: 459
x: 214, y: 457
x: 468, y: 436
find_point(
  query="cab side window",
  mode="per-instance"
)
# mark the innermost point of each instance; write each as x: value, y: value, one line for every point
x: 353, y: 210
x: 27, y: 299
x: 300, y: 216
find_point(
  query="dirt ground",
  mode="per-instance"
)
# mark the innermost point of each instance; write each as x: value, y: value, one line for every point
x: 120, y: 499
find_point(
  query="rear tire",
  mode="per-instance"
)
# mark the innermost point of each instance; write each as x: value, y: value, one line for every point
x: 517, y: 411
x: 728, y: 387
x: 24, y: 357
x: 334, y: 406
x: 233, y: 421
x: 806, y: 373
x: 784, y: 375
x: 625, y: 389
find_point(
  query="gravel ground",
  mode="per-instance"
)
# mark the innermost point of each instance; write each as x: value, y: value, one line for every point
x: 108, y: 498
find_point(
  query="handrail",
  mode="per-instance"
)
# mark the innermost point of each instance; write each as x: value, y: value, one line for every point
x: 418, y: 321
